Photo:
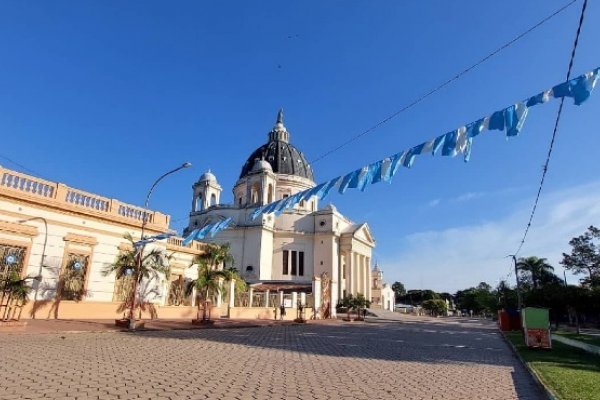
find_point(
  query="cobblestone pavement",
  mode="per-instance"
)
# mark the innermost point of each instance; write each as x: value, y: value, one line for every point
x: 413, y: 359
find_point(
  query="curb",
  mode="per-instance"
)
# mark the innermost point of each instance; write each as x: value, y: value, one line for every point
x: 549, y: 394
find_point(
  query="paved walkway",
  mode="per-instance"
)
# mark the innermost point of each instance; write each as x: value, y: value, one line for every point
x: 382, y: 359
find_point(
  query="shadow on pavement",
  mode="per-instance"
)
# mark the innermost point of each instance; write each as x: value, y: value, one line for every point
x: 419, y: 342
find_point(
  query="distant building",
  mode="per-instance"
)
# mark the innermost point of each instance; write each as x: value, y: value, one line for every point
x: 382, y: 295
x: 301, y: 248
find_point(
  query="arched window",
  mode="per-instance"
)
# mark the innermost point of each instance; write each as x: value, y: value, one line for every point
x: 213, y: 199
x: 199, y: 206
x: 254, y: 193
x: 270, y: 194
x: 240, y: 201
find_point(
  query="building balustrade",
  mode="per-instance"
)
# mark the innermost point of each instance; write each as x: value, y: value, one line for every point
x: 16, y: 184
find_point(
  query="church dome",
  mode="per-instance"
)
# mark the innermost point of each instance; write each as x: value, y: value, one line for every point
x: 261, y: 165
x: 207, y: 177
x: 282, y: 156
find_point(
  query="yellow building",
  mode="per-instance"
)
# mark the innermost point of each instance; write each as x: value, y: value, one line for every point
x: 49, y: 230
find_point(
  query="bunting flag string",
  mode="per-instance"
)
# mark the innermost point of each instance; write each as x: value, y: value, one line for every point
x: 152, y: 239
x: 459, y: 141
x: 207, y: 230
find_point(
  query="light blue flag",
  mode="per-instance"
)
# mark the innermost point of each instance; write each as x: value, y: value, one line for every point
x: 294, y: 200
x: 468, y: 149
x: 449, y: 148
x: 514, y: 118
x: 475, y: 128
x: 539, y: 98
x: 187, y: 240
x: 419, y: 149
x: 219, y: 226
x: 497, y: 121
x: 377, y: 171
x: 365, y: 178
x: 578, y: 88
x: 324, y: 191
x: 396, y: 162
x: 283, y: 205
x: 201, y: 234
x: 258, y: 211
x: 409, y: 159
x: 348, y: 180
x: 269, y: 208
x: 307, y: 194
x: 438, y: 143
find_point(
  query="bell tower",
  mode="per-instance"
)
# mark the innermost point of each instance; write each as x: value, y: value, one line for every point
x: 207, y: 192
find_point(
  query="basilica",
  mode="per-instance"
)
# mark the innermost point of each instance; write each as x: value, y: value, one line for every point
x: 54, y: 236
x: 307, y: 249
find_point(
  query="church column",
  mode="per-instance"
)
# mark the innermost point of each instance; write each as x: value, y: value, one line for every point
x: 369, y: 283
x: 316, y: 290
x: 220, y: 293
x: 232, y: 293
x: 267, y: 293
x: 366, y: 274
x: 350, y: 277
x: 251, y: 295
x: 357, y: 273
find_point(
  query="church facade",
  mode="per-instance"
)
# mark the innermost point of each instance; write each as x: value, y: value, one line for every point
x: 307, y: 249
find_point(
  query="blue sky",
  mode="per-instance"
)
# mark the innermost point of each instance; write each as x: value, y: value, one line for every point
x: 106, y: 96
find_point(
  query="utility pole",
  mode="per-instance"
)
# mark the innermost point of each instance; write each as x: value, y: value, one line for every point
x: 519, y: 300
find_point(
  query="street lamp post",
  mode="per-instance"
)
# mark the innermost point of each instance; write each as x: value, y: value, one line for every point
x: 138, y: 268
x: 39, y: 280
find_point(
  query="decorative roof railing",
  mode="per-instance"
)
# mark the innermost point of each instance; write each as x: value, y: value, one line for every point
x: 29, y: 188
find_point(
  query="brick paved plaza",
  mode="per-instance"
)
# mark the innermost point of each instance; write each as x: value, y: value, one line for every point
x: 412, y: 359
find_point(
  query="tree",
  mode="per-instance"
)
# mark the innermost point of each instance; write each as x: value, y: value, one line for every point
x: 399, y: 290
x: 15, y: 294
x: 418, y: 296
x: 477, y: 299
x: 535, y: 269
x: 207, y: 282
x: 585, y: 256
x: 435, y: 306
x: 507, y: 296
x: 359, y: 303
x: 154, y: 265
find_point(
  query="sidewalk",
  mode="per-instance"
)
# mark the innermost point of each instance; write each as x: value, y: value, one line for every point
x: 35, y: 326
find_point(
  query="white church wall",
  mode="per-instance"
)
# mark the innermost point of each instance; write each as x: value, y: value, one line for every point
x: 292, y: 243
x: 266, y: 254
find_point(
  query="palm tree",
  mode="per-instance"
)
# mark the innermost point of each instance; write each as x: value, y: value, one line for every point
x: 15, y: 291
x: 207, y: 282
x: 155, y: 264
x: 538, y: 268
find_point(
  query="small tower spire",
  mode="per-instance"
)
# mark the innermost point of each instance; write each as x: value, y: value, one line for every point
x: 280, y: 116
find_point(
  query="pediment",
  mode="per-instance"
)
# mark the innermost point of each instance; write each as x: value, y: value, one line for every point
x: 364, y: 233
